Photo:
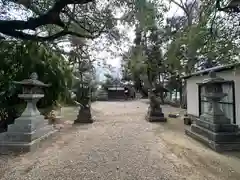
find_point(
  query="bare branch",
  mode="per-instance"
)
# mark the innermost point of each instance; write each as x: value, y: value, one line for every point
x: 179, y: 5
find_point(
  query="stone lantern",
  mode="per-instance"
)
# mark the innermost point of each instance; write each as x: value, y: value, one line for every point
x: 213, y: 92
x: 83, y: 97
x: 213, y: 128
x: 31, y: 127
x: 31, y: 92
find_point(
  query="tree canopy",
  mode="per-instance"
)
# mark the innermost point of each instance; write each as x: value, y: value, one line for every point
x: 169, y: 47
x: 43, y: 20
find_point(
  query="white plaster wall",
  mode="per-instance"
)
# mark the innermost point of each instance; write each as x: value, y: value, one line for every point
x: 192, y: 91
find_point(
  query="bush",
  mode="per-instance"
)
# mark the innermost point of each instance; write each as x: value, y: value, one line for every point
x: 9, y: 114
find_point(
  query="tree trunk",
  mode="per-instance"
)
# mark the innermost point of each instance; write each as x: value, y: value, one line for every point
x: 176, y: 92
x: 184, y: 97
x: 162, y: 96
x: 181, y: 93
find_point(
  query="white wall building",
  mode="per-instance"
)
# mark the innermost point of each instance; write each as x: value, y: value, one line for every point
x: 196, y: 105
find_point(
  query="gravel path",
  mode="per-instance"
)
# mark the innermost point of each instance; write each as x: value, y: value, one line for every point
x: 119, y: 145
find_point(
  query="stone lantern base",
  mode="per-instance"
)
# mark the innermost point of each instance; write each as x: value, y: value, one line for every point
x: 84, y: 116
x: 219, y: 137
x: 25, y: 134
x: 155, y: 115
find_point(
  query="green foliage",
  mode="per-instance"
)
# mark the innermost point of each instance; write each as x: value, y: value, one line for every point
x: 145, y: 56
x: 167, y: 48
x: 194, y: 46
x: 20, y: 59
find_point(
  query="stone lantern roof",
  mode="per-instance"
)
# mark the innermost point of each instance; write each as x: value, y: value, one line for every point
x: 32, y: 81
x: 213, y: 79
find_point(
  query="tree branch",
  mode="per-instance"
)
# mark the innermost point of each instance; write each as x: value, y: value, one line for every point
x: 13, y: 27
x: 179, y: 5
x: 25, y: 36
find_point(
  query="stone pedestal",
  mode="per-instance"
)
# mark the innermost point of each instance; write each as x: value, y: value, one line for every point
x: 27, y: 131
x: 84, y: 116
x: 219, y: 137
x: 155, y: 115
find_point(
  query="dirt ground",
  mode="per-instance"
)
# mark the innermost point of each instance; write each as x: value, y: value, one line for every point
x: 120, y: 144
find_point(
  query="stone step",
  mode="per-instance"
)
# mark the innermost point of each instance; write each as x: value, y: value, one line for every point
x: 26, y: 136
x: 18, y: 127
x: 28, y: 124
x: 155, y: 118
x: 215, y: 119
x: 7, y: 147
x: 218, y: 147
x: 217, y: 127
x: 216, y: 137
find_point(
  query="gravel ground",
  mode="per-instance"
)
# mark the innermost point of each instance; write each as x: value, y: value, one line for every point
x: 120, y: 144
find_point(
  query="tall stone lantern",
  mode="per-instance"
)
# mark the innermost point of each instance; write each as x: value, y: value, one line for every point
x: 213, y: 128
x: 31, y: 92
x: 213, y: 92
x: 30, y: 128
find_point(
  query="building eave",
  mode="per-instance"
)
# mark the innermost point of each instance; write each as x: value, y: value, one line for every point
x: 215, y: 69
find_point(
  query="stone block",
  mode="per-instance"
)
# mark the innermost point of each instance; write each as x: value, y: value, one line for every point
x: 156, y: 119
x: 155, y: 115
x: 84, y: 116
x: 216, y: 137
x: 217, y: 127
x: 27, y: 124
x: 218, y: 147
x: 215, y: 119
x: 25, y: 134
x: 83, y: 120
x: 187, y: 120
x: 173, y: 115
x: 22, y: 147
